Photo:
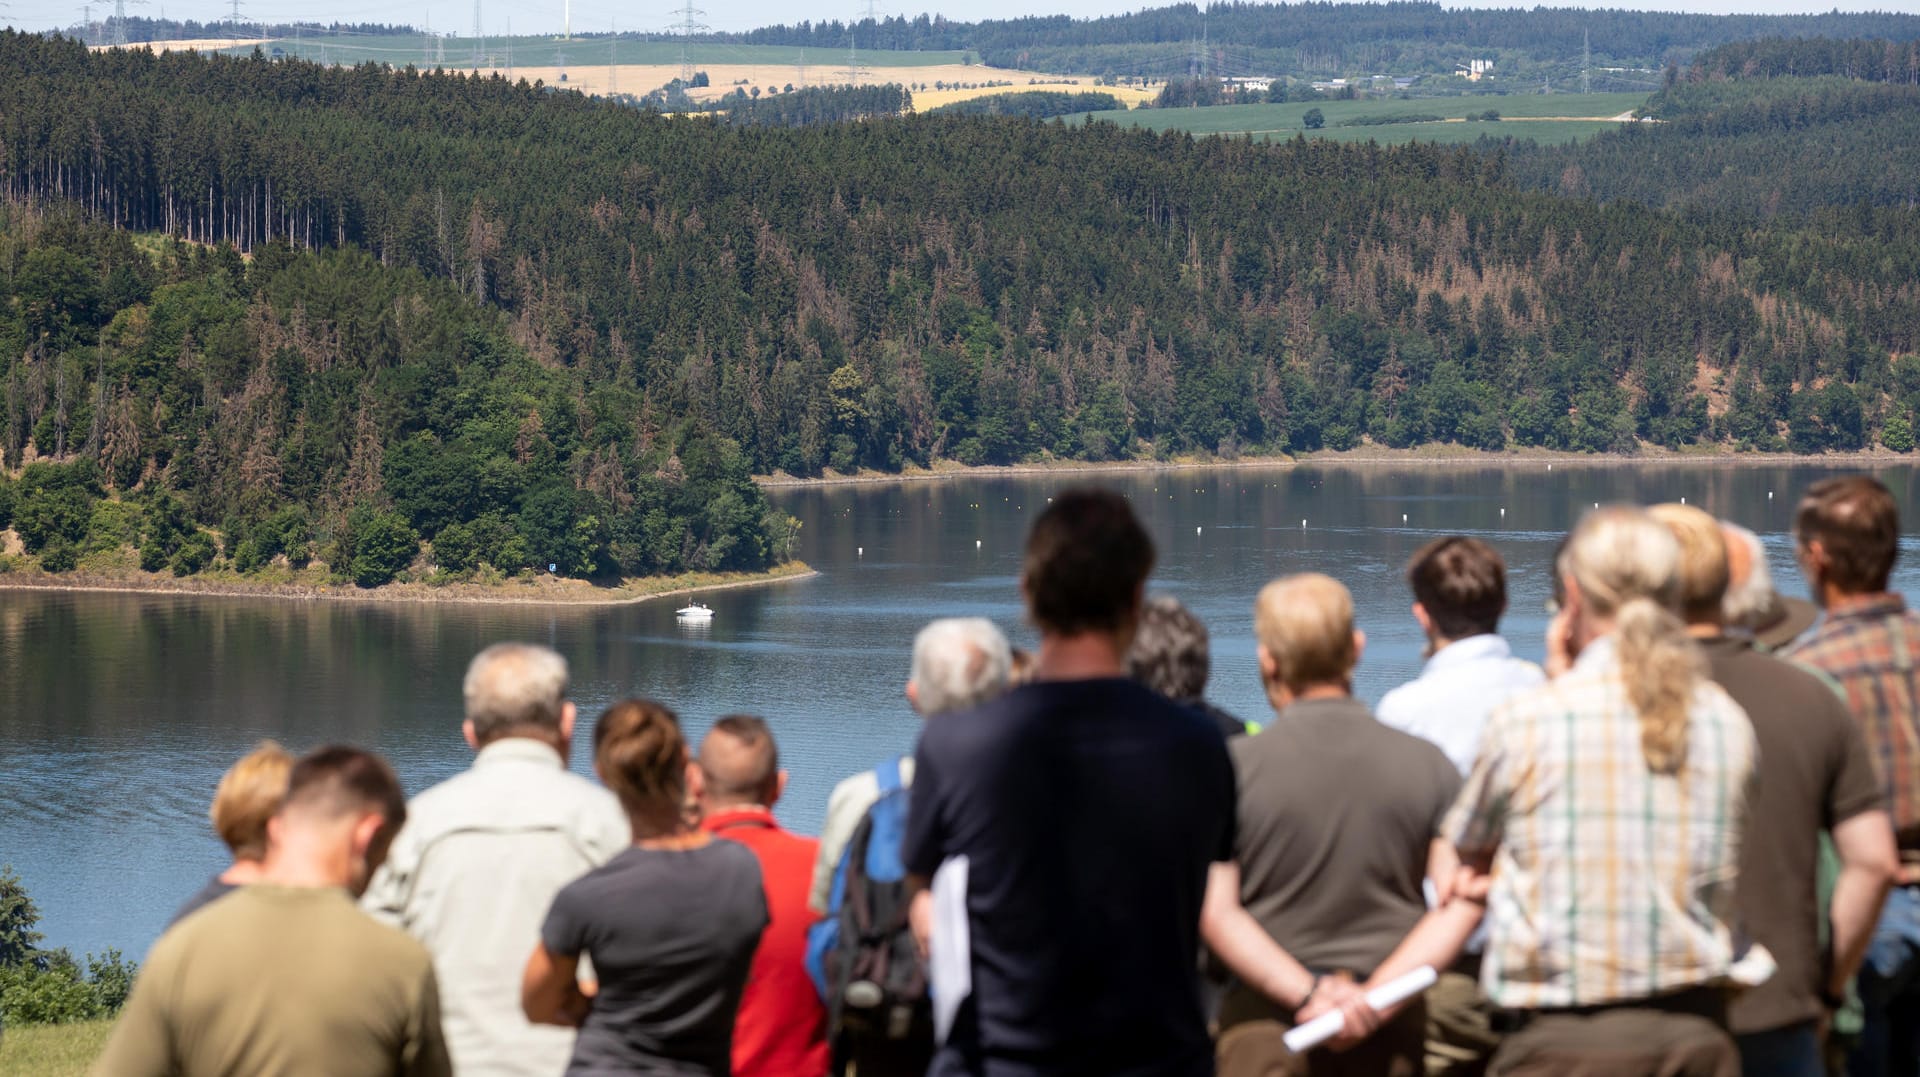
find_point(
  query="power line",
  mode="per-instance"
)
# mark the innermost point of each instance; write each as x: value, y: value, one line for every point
x: 688, y: 25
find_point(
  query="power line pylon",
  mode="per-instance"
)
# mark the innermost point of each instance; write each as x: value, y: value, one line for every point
x: 1586, y: 63
x: 479, y: 41
x: 688, y: 25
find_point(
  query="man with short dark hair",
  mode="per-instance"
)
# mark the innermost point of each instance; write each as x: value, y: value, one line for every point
x: 1169, y: 655
x: 781, y: 1027
x: 1847, y: 535
x: 1338, y: 828
x: 475, y: 869
x: 1459, y: 589
x: 1087, y: 809
x: 1814, y: 776
x: 287, y: 973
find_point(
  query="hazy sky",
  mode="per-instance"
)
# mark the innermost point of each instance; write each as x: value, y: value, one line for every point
x: 656, y: 15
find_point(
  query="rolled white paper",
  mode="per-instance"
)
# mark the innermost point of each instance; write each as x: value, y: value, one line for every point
x: 1328, y: 1025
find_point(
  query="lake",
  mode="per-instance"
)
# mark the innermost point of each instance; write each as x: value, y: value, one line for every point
x: 118, y: 713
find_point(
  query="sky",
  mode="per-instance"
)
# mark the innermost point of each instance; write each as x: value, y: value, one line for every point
x: 656, y: 15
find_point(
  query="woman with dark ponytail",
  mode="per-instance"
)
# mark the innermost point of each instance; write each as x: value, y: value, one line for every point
x: 670, y: 925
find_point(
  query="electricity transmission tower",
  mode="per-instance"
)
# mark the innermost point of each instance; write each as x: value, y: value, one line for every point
x: 855, y: 66
x: 613, y: 77
x: 1586, y: 63
x: 120, y: 20
x: 688, y: 25
x: 479, y: 42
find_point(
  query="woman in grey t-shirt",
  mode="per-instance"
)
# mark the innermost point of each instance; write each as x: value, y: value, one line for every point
x: 671, y: 924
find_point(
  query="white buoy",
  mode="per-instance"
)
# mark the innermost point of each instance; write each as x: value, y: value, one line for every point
x: 1503, y: 514
x: 860, y: 551
x: 1683, y: 501
x: 1596, y: 504
x: 1549, y: 467
x: 1303, y: 525
x: 1196, y: 529
x: 1403, y: 517
x: 1769, y: 495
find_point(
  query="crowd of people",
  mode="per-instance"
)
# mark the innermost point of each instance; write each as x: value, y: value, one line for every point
x: 1690, y: 844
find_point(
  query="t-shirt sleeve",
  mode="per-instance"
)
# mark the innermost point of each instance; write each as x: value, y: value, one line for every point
x: 142, y: 1041
x: 1476, y: 822
x: 1227, y: 805
x: 425, y: 1052
x: 1856, y: 787
x: 564, y: 933
x: 925, y: 844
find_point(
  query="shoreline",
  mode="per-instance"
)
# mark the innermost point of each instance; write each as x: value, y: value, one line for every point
x: 541, y: 592
x: 1365, y: 456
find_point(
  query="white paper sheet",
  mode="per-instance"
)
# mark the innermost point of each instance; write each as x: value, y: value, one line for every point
x: 1326, y: 1026
x: 950, y: 950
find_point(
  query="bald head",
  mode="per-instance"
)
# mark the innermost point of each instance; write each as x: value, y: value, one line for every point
x: 1305, y: 627
x: 739, y: 763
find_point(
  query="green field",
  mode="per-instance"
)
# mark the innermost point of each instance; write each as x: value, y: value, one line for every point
x: 1542, y: 117
x: 52, y: 1050
x: 419, y: 49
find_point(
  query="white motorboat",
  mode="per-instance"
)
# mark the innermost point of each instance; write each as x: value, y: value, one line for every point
x: 695, y: 612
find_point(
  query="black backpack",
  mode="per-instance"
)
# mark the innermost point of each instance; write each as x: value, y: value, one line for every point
x: 877, y: 1002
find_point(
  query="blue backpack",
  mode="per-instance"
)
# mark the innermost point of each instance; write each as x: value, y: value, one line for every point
x: 862, y: 956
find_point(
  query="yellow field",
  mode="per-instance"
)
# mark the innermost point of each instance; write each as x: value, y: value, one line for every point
x: 725, y: 78
x: 204, y: 44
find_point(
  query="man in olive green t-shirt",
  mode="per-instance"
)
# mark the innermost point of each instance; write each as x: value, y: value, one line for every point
x: 288, y: 976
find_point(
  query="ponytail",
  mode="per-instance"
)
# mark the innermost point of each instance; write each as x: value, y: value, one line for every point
x: 1661, y: 666
x: 641, y: 756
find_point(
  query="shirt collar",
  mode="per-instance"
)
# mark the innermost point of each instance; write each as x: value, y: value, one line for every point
x: 1334, y: 707
x: 1479, y: 648
x: 519, y: 750
x: 1880, y: 605
x: 1596, y: 656
x: 732, y: 817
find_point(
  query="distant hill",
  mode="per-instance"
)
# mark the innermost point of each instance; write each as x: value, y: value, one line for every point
x: 1304, y: 39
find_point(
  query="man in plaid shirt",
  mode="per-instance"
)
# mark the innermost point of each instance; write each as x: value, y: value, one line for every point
x: 1847, y: 534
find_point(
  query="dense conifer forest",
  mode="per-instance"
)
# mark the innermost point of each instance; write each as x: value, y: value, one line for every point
x: 535, y: 328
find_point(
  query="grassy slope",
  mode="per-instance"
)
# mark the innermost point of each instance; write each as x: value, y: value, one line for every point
x: 1284, y: 121
x: 52, y: 1050
x: 403, y: 49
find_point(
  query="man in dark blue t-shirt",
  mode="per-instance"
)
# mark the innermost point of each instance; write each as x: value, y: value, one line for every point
x: 1089, y: 809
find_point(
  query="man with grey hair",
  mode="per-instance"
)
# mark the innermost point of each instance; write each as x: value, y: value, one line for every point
x: 475, y: 868
x: 958, y: 663
x: 1169, y: 654
x: 1752, y: 605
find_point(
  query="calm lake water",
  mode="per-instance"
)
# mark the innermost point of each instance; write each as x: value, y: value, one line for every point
x: 118, y: 713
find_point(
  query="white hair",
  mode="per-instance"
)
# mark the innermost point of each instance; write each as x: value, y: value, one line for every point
x: 959, y: 662
x: 1747, y: 599
x: 514, y: 684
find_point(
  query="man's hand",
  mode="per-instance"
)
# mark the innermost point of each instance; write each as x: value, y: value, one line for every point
x: 1339, y: 992
x: 1560, y: 646
x: 920, y: 920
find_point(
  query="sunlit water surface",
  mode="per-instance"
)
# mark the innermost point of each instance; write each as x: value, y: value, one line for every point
x: 118, y: 712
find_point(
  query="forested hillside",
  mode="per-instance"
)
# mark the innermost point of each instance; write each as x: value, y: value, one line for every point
x: 1402, y: 36
x: 986, y: 290
x: 1846, y: 114
x: 320, y: 404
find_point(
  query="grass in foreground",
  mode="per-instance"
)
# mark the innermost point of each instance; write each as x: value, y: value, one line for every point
x: 52, y: 1050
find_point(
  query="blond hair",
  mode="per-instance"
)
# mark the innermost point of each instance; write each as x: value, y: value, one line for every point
x: 1626, y: 565
x: 1306, y: 623
x: 1704, y: 569
x: 249, y: 794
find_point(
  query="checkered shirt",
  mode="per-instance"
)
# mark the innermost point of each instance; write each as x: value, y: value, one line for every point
x: 1871, y: 645
x: 1610, y: 882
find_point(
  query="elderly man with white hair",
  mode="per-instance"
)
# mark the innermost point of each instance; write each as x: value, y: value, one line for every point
x: 958, y: 662
x: 482, y: 854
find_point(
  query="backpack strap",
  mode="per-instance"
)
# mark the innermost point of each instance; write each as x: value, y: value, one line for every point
x: 887, y: 774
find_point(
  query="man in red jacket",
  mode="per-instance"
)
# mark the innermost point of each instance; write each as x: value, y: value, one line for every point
x: 781, y: 1029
